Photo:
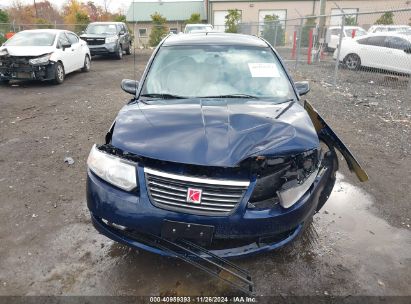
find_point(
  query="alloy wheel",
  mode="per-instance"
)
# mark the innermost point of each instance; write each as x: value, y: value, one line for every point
x: 352, y: 62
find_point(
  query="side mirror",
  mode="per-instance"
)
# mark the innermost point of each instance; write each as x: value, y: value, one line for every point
x: 129, y: 86
x: 122, y: 32
x: 65, y: 45
x: 303, y: 87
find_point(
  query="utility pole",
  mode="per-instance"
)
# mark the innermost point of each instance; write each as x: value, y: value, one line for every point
x: 322, y: 19
x: 35, y: 8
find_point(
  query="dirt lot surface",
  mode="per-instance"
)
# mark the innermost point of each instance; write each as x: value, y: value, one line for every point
x: 359, y: 244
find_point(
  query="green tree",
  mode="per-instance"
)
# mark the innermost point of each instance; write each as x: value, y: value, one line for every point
x: 194, y: 18
x: 82, y: 20
x: 43, y: 23
x: 350, y: 20
x: 120, y: 18
x: 386, y: 18
x: 305, y: 33
x: 273, y: 30
x: 159, y: 29
x: 232, y: 21
x: 4, y: 18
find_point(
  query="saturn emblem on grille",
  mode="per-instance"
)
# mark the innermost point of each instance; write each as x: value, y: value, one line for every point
x: 194, y: 195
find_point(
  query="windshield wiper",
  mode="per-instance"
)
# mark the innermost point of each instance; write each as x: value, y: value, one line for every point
x: 286, y: 100
x: 231, y: 96
x: 162, y: 96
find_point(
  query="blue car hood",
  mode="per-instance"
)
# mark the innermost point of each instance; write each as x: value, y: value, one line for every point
x: 213, y: 133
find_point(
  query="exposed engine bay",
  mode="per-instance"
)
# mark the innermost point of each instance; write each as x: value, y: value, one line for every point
x: 25, y: 67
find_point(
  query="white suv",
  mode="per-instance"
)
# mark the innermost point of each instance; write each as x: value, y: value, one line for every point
x: 388, y: 28
x: 198, y: 28
x: 333, y: 35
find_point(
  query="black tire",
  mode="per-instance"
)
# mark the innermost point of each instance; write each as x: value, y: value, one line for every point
x: 87, y: 64
x: 352, y: 62
x: 4, y: 81
x: 60, y: 74
x: 128, y: 49
x: 119, y: 54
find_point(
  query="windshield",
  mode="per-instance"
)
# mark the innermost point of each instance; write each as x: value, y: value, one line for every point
x: 30, y: 38
x: 212, y: 71
x: 191, y: 28
x: 102, y: 29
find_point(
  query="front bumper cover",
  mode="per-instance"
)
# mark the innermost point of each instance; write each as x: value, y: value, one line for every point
x: 265, y: 229
x: 28, y: 72
x: 103, y: 49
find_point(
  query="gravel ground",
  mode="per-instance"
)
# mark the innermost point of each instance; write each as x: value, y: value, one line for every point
x: 358, y: 245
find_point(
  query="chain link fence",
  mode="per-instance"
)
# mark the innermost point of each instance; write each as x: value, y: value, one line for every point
x: 327, y: 49
x: 14, y: 28
x: 313, y: 47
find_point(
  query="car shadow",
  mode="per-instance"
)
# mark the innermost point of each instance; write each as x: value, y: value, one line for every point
x: 39, y: 83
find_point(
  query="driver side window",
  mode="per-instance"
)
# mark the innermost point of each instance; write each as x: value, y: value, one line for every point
x: 73, y: 38
x: 63, y: 40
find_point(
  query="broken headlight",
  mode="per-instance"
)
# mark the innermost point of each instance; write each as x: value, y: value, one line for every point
x: 291, y: 192
x: 283, y: 180
x: 299, y: 178
x: 112, y: 169
x: 40, y: 60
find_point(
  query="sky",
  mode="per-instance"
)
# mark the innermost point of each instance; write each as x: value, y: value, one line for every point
x: 114, y: 6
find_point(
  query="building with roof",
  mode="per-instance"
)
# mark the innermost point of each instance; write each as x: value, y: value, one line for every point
x: 254, y: 11
x: 176, y: 13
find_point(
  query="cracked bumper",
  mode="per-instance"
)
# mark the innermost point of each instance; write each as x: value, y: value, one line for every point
x: 255, y: 231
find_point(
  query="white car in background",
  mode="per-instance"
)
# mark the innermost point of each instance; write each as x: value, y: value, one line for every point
x: 332, y: 37
x: 198, y: 28
x: 43, y: 55
x: 385, y: 51
x: 389, y: 28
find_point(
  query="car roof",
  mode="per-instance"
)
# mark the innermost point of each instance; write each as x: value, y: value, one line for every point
x: 198, y: 24
x: 54, y: 31
x: 346, y: 27
x: 390, y: 34
x: 106, y: 22
x: 390, y: 25
x: 213, y: 38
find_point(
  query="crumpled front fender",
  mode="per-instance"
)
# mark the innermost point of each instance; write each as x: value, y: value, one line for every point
x: 322, y: 127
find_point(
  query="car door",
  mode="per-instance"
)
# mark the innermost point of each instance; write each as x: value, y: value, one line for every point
x: 125, y: 41
x: 78, y: 54
x: 126, y: 35
x: 399, y: 60
x: 66, y: 54
x: 373, y: 52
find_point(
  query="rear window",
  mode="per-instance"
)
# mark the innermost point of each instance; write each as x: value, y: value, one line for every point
x: 397, y: 43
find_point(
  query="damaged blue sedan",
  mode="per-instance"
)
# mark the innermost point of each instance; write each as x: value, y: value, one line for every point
x: 215, y: 153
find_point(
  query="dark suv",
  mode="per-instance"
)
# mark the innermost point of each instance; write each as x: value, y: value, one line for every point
x: 108, y: 38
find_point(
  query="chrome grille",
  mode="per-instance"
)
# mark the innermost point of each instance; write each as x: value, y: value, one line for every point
x: 169, y: 191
